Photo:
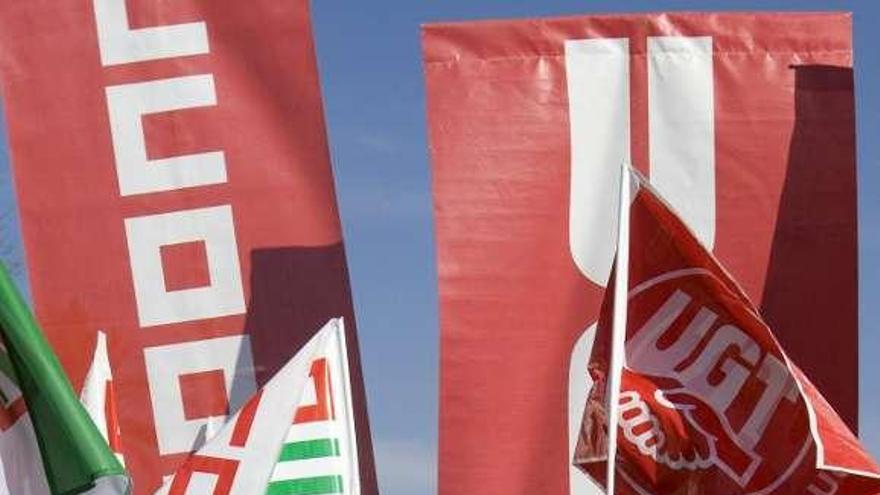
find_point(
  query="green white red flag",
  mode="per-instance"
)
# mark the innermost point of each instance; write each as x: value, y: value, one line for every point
x: 48, y: 443
x: 709, y: 401
x: 319, y: 454
x: 294, y: 436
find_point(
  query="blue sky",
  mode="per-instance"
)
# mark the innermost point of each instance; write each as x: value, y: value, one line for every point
x: 370, y: 60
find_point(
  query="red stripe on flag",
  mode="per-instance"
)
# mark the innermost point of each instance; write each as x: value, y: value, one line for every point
x: 11, y: 414
x: 224, y: 469
x: 114, y: 437
x: 322, y: 409
x: 245, y: 421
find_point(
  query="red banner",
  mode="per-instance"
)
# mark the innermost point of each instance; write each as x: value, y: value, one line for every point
x: 529, y: 122
x: 175, y: 191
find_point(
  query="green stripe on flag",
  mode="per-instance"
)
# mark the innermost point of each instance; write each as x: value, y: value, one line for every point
x: 309, y: 449
x: 6, y: 367
x: 7, y: 371
x: 318, y: 485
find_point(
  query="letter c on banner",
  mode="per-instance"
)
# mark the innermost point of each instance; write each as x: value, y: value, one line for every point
x: 681, y: 121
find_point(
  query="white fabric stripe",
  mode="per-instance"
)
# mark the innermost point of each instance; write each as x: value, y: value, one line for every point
x: 597, y: 72
x: 681, y: 122
x: 93, y: 395
x: 307, y: 468
x: 310, y: 431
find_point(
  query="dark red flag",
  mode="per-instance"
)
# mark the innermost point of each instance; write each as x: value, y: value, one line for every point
x: 709, y: 401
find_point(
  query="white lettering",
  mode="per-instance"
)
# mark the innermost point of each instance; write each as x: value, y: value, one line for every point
x: 716, y: 361
x: 127, y: 104
x: 121, y: 45
x: 643, y: 349
x: 165, y: 366
x: 719, y: 372
x: 157, y: 305
x: 597, y: 72
x: 681, y: 128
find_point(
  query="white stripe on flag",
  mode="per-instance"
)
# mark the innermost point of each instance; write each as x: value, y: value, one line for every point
x: 307, y: 468
x: 93, y: 395
x: 310, y: 431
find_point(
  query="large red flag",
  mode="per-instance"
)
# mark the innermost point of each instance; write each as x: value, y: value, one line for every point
x: 709, y: 401
x: 174, y: 188
x: 744, y: 121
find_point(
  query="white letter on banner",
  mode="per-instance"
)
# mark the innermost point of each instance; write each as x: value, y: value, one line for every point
x: 597, y: 71
x: 167, y: 364
x: 213, y: 226
x: 681, y: 121
x: 121, y: 45
x: 137, y: 174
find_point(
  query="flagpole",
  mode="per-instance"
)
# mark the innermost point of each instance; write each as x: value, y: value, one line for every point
x: 354, y: 466
x: 618, y: 326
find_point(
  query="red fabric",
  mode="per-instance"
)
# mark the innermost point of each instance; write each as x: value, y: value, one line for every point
x: 210, y: 389
x: 184, y: 266
x: 10, y: 414
x: 709, y: 401
x: 512, y: 301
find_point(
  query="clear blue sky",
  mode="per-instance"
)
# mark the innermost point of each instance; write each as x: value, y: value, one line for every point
x: 370, y: 60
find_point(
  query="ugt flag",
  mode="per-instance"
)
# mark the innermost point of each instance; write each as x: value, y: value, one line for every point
x: 169, y: 184
x: 743, y: 121
x: 709, y: 401
x: 48, y: 443
x: 295, y: 436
